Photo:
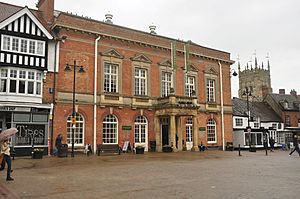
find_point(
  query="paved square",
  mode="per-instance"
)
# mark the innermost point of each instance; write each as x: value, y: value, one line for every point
x: 182, y: 175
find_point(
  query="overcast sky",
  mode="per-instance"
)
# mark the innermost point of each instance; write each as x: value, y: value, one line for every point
x: 267, y: 27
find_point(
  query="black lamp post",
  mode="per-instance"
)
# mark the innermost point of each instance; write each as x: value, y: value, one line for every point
x: 247, y: 93
x: 81, y: 70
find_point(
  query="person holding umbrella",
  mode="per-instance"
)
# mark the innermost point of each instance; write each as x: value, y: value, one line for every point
x: 5, y: 150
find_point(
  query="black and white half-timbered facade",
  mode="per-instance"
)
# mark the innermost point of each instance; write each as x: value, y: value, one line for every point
x: 23, y: 66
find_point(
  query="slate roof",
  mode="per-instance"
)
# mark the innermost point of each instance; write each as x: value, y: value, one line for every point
x: 293, y: 101
x: 257, y: 109
x: 7, y: 10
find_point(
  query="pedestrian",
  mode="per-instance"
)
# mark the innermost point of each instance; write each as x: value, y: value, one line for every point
x: 296, y: 145
x: 5, y: 149
x: 272, y: 142
x: 58, y: 143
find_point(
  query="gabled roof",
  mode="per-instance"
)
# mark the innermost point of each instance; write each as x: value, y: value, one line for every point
x: 292, y: 101
x: 257, y: 109
x: 10, y: 13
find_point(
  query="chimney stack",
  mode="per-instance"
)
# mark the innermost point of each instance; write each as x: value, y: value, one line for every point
x: 47, y: 9
x: 282, y: 91
x: 108, y: 18
x: 293, y: 92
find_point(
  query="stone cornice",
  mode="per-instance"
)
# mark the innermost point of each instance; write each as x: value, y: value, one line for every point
x: 152, y: 45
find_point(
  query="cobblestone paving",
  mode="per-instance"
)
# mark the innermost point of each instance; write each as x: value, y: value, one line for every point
x: 182, y: 175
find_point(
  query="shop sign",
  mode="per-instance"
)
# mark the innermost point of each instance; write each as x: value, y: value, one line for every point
x: 15, y: 109
x: 29, y: 134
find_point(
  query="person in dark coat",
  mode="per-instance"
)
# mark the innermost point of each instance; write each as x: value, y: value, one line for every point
x: 296, y: 145
x: 272, y: 142
x: 58, y: 143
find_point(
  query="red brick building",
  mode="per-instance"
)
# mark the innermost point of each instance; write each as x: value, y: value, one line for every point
x: 135, y: 86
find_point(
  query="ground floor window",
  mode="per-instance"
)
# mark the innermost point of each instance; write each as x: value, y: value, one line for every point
x: 140, y: 129
x: 78, y: 129
x: 110, y: 130
x: 211, y: 131
x: 256, y: 139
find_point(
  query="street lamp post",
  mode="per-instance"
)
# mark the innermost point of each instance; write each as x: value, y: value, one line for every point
x: 247, y: 93
x: 81, y: 70
x: 222, y: 103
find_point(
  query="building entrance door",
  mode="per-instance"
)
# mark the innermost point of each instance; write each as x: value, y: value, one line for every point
x: 189, y: 133
x: 165, y: 134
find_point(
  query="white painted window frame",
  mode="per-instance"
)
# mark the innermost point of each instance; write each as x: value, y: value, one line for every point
x: 110, y: 127
x: 190, y: 85
x: 37, y: 47
x: 166, y: 83
x: 78, y: 130
x: 37, y: 81
x: 210, y: 90
x: 211, y: 131
x: 140, y: 82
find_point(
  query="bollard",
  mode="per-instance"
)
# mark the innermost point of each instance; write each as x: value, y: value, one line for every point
x: 240, y: 150
x: 266, y: 147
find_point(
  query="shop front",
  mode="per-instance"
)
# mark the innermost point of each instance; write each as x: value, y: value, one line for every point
x: 32, y: 125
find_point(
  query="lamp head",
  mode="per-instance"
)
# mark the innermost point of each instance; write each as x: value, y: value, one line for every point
x: 81, y: 69
x: 67, y: 67
x: 234, y: 73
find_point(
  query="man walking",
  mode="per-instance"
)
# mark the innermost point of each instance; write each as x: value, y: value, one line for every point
x: 296, y: 145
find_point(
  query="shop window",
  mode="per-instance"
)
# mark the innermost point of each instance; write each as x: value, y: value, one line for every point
x: 40, y: 118
x: 21, y: 117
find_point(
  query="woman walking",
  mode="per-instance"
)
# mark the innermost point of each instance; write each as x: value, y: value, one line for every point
x: 5, y: 149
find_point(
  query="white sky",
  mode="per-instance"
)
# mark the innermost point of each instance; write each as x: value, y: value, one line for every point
x: 239, y: 27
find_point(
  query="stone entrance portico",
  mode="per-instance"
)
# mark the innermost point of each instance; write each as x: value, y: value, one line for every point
x: 174, y: 109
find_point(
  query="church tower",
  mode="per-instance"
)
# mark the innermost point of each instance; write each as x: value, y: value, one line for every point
x: 256, y: 79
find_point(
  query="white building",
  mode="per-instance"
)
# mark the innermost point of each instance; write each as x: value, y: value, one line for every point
x: 262, y: 120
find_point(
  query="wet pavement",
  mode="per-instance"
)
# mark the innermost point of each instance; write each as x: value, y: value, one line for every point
x: 183, y: 175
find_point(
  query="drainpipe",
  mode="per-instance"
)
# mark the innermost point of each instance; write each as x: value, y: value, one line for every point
x: 222, y: 106
x: 95, y: 94
x: 56, y: 61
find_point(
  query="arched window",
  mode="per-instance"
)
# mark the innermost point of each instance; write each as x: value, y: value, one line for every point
x: 78, y: 130
x: 189, y: 130
x: 140, y: 129
x: 110, y: 130
x: 211, y: 131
